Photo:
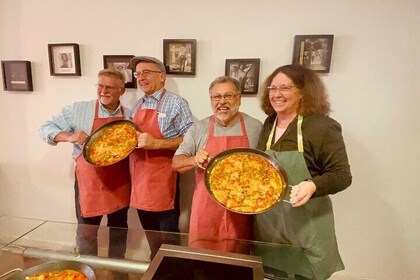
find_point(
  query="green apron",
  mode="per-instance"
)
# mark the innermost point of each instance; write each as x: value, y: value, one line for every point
x: 310, y: 226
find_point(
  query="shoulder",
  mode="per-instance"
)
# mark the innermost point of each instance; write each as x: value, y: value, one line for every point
x: 318, y: 122
x: 251, y: 120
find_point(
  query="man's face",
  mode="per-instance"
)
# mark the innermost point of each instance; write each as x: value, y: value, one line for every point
x: 225, y: 110
x: 150, y: 78
x: 109, y: 91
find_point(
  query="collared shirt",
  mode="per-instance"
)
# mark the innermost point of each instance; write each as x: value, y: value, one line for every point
x: 76, y: 117
x: 174, y: 114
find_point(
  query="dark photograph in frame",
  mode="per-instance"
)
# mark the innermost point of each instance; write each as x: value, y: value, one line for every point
x: 17, y: 75
x: 246, y: 72
x: 64, y: 59
x: 120, y: 64
x: 313, y: 52
x: 179, y: 56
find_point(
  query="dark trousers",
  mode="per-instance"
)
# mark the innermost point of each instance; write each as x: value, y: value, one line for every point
x: 155, y: 222
x: 87, y: 236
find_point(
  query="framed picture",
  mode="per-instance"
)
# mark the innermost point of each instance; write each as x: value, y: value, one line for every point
x: 64, y: 59
x: 179, y: 56
x: 246, y: 71
x: 313, y: 51
x: 120, y: 64
x: 17, y: 75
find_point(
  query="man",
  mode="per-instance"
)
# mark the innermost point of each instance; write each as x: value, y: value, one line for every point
x: 163, y: 118
x: 227, y: 128
x: 99, y: 191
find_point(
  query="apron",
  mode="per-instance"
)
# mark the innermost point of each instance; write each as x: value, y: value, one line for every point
x: 211, y: 225
x: 102, y: 190
x: 310, y: 226
x: 153, y: 180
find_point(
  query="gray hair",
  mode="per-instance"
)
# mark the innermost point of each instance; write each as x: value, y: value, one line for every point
x: 113, y: 73
x: 226, y: 79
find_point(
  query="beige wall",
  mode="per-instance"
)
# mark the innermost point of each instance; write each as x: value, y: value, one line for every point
x: 373, y: 84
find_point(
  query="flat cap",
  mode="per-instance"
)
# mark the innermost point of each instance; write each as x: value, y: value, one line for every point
x: 137, y: 59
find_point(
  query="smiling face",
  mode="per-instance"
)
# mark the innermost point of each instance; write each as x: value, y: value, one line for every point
x: 109, y: 91
x: 224, y: 110
x: 150, y: 82
x: 285, y: 101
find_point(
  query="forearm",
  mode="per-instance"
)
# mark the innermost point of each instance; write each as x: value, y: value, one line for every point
x: 167, y: 143
x: 183, y: 163
x: 63, y: 136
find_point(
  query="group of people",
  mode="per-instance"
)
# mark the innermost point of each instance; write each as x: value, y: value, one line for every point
x: 297, y: 132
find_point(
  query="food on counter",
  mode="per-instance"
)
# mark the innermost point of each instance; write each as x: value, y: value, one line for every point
x: 245, y: 183
x: 66, y: 274
x: 113, y: 144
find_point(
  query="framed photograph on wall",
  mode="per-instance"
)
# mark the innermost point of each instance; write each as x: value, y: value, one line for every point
x: 64, y: 59
x: 313, y: 51
x: 246, y: 71
x: 120, y: 64
x: 17, y: 75
x: 179, y: 56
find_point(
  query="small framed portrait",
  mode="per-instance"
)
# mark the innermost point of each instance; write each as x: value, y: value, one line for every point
x: 313, y: 51
x: 64, y: 59
x: 179, y: 56
x: 17, y: 75
x: 120, y: 64
x: 246, y: 71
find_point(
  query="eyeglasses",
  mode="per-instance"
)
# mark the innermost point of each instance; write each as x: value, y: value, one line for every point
x: 107, y: 88
x: 283, y: 89
x: 145, y: 73
x: 228, y: 97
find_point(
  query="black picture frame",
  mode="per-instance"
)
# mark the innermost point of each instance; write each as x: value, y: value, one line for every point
x: 246, y: 71
x: 17, y: 75
x: 179, y: 56
x: 313, y: 52
x: 64, y: 59
x: 120, y: 63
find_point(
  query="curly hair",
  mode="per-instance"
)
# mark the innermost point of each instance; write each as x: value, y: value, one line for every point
x: 315, y: 97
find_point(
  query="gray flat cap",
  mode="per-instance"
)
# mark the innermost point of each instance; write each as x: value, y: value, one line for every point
x: 137, y: 59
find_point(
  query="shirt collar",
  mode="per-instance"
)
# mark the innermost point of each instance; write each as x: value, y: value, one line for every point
x: 156, y: 95
x: 111, y: 113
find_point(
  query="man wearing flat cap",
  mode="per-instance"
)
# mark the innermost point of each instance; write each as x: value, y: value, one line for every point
x: 163, y: 118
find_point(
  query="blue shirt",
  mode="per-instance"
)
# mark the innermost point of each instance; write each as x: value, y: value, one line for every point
x: 76, y: 117
x: 174, y: 114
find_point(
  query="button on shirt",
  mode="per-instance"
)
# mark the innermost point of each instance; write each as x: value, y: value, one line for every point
x: 76, y: 117
x: 174, y: 114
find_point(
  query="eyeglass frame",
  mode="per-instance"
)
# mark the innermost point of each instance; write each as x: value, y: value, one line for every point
x: 228, y: 97
x: 282, y: 89
x: 145, y: 73
x: 102, y: 87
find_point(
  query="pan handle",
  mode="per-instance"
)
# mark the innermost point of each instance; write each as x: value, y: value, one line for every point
x: 200, y: 165
x: 11, y: 271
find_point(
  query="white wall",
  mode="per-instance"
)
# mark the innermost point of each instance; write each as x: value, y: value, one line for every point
x: 373, y: 84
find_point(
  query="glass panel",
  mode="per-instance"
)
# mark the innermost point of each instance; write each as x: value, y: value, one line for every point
x: 11, y: 228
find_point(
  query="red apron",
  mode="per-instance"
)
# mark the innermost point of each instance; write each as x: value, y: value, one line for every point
x: 211, y: 225
x: 152, y: 178
x: 102, y: 190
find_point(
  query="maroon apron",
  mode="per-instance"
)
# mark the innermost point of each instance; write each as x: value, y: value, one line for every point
x: 211, y: 225
x: 152, y: 177
x: 102, y: 190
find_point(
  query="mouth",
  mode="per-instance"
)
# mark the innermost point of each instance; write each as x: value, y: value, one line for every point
x: 223, y: 109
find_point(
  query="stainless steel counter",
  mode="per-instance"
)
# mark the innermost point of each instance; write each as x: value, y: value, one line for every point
x: 28, y: 242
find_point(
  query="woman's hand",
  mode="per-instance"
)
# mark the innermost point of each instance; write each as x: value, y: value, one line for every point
x: 302, y: 192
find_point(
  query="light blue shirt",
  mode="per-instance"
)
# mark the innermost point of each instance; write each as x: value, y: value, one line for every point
x: 174, y: 114
x: 76, y: 117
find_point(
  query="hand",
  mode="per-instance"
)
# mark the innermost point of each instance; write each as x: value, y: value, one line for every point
x: 201, y: 157
x: 301, y: 193
x: 78, y: 137
x: 145, y: 141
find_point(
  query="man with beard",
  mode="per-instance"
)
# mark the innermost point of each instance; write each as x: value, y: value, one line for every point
x: 211, y: 225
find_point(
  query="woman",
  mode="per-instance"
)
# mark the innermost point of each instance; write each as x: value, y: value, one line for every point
x: 310, y: 146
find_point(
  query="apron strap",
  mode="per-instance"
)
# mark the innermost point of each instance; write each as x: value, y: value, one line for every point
x: 299, y: 135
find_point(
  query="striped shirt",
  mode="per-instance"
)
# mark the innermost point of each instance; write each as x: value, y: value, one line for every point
x: 174, y: 114
x: 76, y: 117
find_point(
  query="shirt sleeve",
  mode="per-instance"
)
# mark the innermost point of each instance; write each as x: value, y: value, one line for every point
x: 183, y: 119
x: 63, y: 121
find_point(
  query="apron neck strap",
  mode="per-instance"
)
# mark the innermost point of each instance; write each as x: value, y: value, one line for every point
x: 299, y: 135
